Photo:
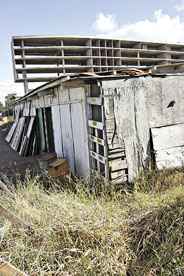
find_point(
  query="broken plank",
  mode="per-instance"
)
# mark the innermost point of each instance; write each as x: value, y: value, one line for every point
x: 7, y: 269
x: 6, y: 190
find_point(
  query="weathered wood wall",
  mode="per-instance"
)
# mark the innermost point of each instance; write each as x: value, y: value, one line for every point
x: 142, y: 104
x: 68, y: 106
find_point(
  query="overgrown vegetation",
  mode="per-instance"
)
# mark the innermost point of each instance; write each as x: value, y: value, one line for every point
x: 90, y: 231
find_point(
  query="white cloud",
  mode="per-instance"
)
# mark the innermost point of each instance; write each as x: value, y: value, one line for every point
x: 180, y: 7
x: 7, y: 87
x: 105, y: 23
x: 161, y: 28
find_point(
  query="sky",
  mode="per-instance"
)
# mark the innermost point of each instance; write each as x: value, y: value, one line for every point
x: 153, y: 20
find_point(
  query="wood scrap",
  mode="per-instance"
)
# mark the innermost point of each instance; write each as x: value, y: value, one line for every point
x: 7, y: 269
x: 11, y: 132
x: 7, y: 182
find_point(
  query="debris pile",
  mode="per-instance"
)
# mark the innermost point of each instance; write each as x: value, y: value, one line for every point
x: 22, y: 135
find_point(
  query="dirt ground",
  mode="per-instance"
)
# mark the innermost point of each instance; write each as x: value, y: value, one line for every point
x: 10, y: 161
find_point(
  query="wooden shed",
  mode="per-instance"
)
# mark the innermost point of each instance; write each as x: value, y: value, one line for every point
x: 115, y: 125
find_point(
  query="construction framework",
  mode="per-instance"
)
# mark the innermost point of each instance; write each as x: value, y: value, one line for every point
x: 44, y: 58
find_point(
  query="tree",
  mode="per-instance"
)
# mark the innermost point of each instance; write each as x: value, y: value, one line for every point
x: 2, y: 107
x: 9, y: 102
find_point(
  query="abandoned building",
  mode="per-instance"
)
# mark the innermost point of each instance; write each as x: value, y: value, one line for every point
x: 45, y: 58
x: 115, y: 124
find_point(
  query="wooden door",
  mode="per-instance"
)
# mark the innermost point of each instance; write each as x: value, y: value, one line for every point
x: 79, y: 130
x: 70, y: 130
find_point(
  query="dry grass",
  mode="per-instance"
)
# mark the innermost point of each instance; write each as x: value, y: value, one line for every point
x: 84, y: 234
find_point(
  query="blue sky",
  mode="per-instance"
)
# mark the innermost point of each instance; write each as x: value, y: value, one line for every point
x: 125, y: 19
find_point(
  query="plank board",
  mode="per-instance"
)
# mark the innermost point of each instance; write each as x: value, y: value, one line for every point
x: 95, y: 124
x: 56, y: 121
x: 98, y: 157
x: 170, y: 158
x: 12, y: 129
x: 17, y: 135
x: 79, y: 128
x: 26, y: 138
x: 97, y: 140
x: 67, y: 136
x: 168, y: 136
x: 168, y: 144
x: 7, y: 269
x: 41, y: 130
x: 11, y: 132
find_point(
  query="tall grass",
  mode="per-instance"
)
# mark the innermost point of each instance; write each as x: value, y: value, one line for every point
x: 97, y: 230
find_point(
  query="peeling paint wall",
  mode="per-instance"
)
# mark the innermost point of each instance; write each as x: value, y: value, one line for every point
x: 141, y: 104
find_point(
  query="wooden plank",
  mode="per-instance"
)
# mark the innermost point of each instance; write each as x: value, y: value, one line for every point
x: 97, y: 151
x: 30, y: 127
x: 118, y: 164
x: 26, y: 110
x: 56, y: 122
x: 11, y: 132
x: 32, y: 111
x: 6, y: 190
x: 80, y: 137
x: 23, y: 146
x: 94, y: 100
x: 168, y: 136
x: 13, y: 128
x: 95, y: 124
x: 115, y: 156
x: 58, y: 168
x: 170, y: 158
x: 17, y: 135
x: 98, y: 157
x: 41, y: 130
x: 168, y: 144
x: 26, y: 138
x: 7, y: 269
x: 105, y: 136
x: 97, y: 140
x: 67, y: 136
